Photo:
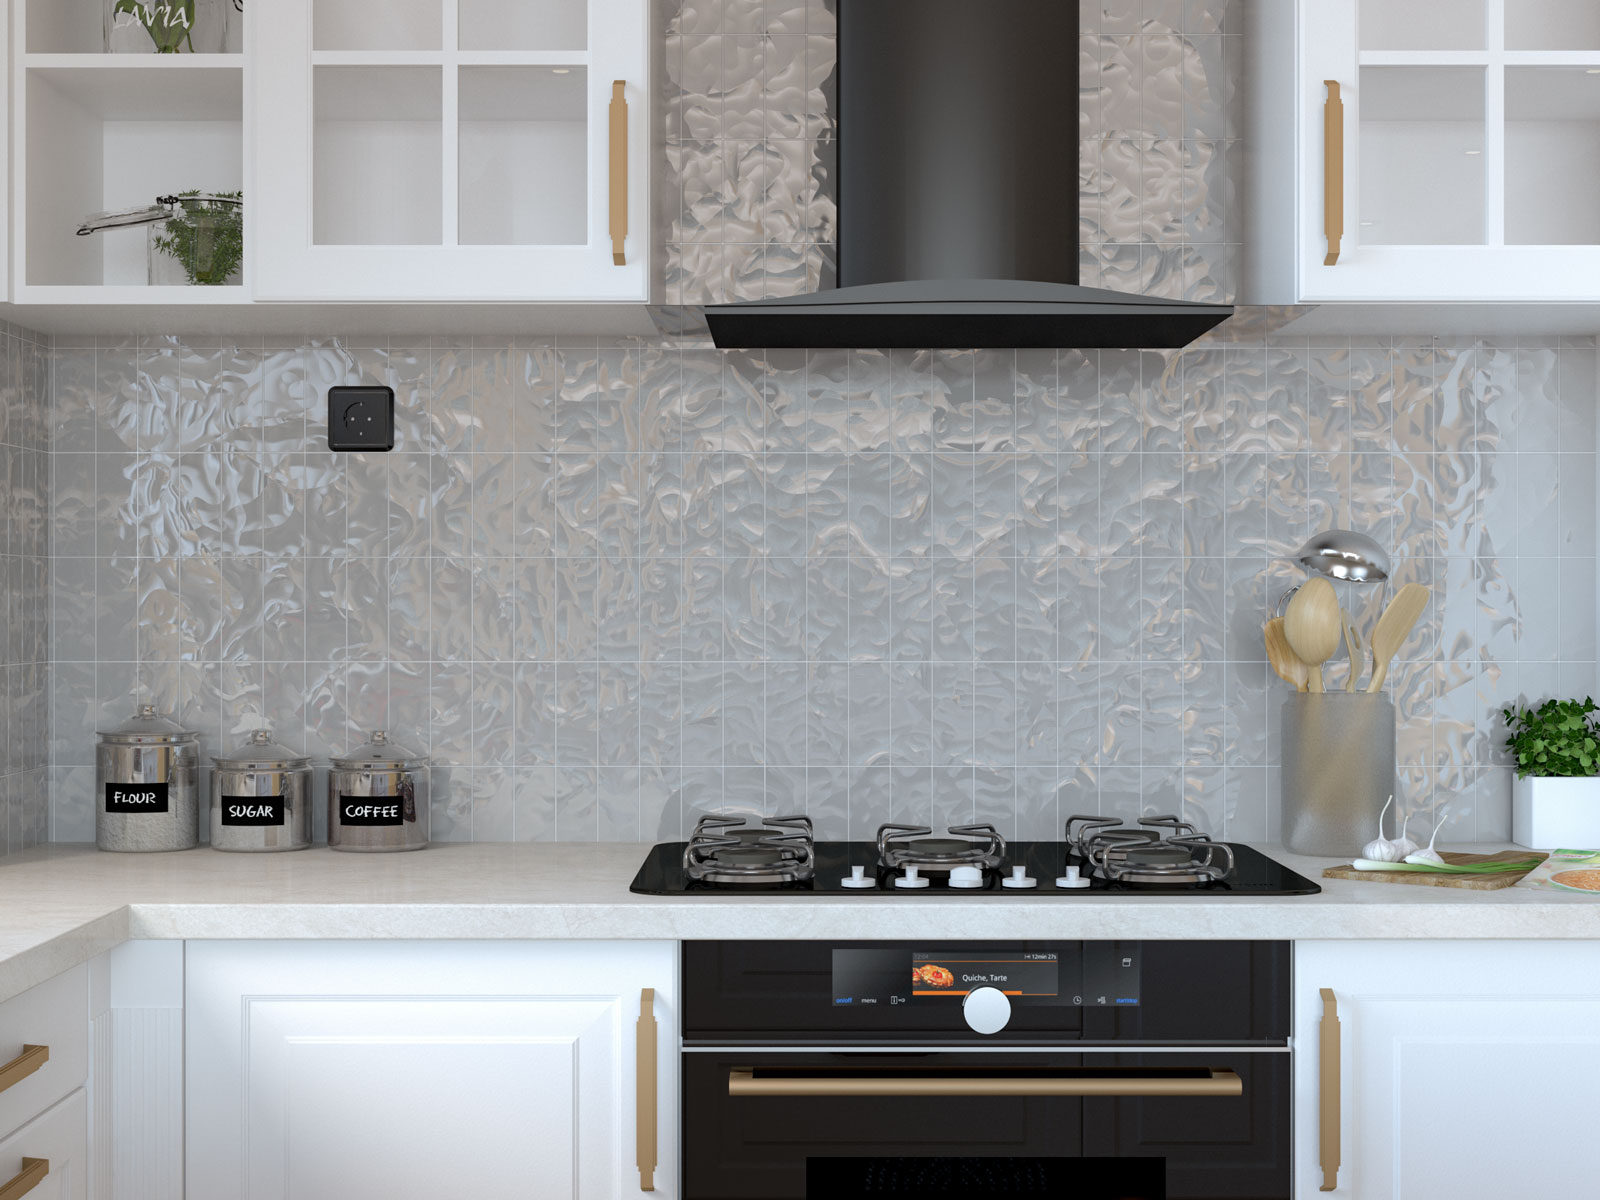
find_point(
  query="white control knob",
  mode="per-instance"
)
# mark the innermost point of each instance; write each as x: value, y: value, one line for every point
x: 911, y: 879
x: 986, y: 1009
x: 858, y: 879
x: 1019, y: 878
x: 1072, y: 879
x: 966, y: 877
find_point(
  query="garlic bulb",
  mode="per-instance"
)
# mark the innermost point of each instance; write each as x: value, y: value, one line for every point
x: 1380, y: 848
x: 1430, y: 855
x: 1403, y: 842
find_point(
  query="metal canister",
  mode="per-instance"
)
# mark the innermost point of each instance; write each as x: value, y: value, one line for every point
x: 145, y: 783
x: 378, y: 798
x: 261, y: 797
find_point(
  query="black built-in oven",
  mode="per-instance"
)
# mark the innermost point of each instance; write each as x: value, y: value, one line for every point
x: 1125, y: 1070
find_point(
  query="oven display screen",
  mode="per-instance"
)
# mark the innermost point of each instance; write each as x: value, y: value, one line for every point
x: 1105, y: 975
x: 1020, y: 974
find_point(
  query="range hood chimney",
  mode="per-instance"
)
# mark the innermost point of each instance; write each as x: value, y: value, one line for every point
x: 958, y: 193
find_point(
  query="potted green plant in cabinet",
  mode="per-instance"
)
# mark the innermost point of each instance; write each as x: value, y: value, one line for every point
x: 1555, y: 798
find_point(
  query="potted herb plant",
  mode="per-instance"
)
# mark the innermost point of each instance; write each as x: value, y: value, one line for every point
x: 1555, y: 798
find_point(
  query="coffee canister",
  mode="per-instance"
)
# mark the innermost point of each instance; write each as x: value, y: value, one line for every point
x: 145, y: 785
x: 261, y: 797
x: 378, y: 798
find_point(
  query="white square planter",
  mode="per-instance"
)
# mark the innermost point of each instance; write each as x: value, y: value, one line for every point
x: 1551, y: 813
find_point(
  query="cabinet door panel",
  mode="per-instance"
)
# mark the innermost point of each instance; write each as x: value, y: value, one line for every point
x: 1461, y: 1066
x: 61, y: 1137
x: 496, y: 1070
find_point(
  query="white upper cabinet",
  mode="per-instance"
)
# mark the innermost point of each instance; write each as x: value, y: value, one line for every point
x: 444, y: 150
x: 1435, y: 150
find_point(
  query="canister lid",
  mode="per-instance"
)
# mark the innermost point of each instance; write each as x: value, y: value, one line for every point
x: 261, y: 753
x: 378, y: 753
x: 147, y: 728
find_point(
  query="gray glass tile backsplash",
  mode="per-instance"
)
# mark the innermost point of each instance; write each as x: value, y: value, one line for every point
x: 611, y: 586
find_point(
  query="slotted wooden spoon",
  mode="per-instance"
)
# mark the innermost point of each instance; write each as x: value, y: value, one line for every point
x: 1393, y: 628
x: 1314, y: 627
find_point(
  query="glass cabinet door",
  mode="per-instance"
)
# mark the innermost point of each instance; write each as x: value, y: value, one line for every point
x: 458, y: 149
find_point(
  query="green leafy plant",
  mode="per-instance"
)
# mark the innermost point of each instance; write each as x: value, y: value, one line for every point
x: 169, y: 23
x: 1560, y: 738
x: 205, y: 236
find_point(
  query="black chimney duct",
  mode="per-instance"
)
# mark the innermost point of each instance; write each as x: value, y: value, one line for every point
x: 958, y: 193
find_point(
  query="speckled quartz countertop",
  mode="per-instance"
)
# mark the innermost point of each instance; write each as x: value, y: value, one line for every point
x: 62, y: 905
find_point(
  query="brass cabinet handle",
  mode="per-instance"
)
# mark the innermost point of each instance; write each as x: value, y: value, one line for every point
x: 1328, y: 1149
x: 23, y: 1065
x: 645, y: 1067
x: 757, y: 1081
x: 25, y: 1180
x: 1332, y: 171
x: 619, y: 172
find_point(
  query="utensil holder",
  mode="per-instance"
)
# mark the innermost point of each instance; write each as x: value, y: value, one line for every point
x: 1338, y: 769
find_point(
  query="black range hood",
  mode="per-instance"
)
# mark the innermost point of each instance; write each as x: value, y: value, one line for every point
x: 958, y: 193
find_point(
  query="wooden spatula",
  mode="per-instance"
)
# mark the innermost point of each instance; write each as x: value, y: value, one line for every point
x: 1284, y: 660
x: 1393, y: 628
x: 1313, y: 626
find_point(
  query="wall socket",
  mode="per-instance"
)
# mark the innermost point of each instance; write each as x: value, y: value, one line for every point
x: 361, y: 418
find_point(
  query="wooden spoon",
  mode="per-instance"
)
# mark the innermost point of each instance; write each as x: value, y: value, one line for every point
x: 1284, y: 660
x: 1313, y: 627
x: 1393, y: 628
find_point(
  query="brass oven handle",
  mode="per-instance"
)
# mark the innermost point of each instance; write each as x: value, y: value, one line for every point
x: 1328, y: 1137
x: 619, y: 172
x: 743, y: 1081
x: 645, y: 1070
x: 1332, y: 171
x: 25, y: 1180
x: 23, y: 1065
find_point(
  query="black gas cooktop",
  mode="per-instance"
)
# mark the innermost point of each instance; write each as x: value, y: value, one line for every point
x: 1252, y: 874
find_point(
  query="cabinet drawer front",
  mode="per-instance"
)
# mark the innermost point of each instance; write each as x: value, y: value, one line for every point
x: 54, y: 1015
x: 59, y: 1138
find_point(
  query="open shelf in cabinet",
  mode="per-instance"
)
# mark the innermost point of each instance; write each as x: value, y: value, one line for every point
x: 112, y: 134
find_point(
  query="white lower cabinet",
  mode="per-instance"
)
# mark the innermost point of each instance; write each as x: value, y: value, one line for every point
x: 48, y: 1158
x: 326, y: 1070
x: 1462, y: 1068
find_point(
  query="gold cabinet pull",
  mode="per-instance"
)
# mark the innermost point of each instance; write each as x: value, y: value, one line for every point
x: 645, y: 1066
x: 619, y: 172
x: 1328, y: 1146
x: 25, y: 1180
x: 1332, y: 171
x: 23, y: 1065
x: 757, y: 1081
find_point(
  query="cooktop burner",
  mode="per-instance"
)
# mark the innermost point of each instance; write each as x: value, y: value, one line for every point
x: 1160, y: 856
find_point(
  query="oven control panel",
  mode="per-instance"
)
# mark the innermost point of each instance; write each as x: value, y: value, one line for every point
x: 1101, y: 975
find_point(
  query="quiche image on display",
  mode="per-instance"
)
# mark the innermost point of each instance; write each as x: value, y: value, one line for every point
x: 932, y: 975
x: 1587, y: 880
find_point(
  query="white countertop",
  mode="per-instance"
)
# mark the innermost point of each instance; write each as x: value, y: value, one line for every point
x: 62, y: 905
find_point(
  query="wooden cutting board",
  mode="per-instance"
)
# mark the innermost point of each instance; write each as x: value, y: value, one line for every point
x: 1477, y: 883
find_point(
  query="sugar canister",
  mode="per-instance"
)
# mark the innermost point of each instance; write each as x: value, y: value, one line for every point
x: 145, y: 784
x: 261, y: 797
x: 378, y: 798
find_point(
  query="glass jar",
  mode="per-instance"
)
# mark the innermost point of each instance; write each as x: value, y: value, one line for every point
x: 193, y: 239
x: 166, y: 26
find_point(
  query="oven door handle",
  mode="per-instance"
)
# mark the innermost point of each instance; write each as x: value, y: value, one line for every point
x: 759, y: 1081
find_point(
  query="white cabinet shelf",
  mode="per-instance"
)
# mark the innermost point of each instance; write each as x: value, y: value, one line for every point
x: 1470, y: 159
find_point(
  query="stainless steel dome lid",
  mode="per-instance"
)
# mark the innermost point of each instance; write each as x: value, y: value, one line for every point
x: 149, y: 728
x: 378, y: 753
x: 261, y: 753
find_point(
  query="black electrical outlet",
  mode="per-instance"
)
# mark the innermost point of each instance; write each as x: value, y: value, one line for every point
x: 361, y: 418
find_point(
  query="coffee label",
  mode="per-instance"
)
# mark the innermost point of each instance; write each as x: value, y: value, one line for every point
x: 371, y: 810
x: 136, y: 797
x: 252, y: 810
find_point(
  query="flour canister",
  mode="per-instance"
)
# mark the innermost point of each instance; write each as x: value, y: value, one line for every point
x: 378, y: 798
x: 261, y: 797
x: 146, y: 795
